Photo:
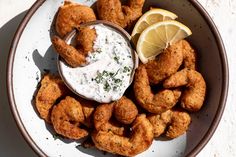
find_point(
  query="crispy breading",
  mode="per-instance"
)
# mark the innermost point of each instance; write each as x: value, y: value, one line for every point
x: 139, y: 141
x: 179, y: 124
x: 70, y: 54
x: 115, y: 12
x: 52, y: 88
x: 172, y: 123
x: 102, y: 119
x: 194, y: 95
x: 66, y: 117
x: 72, y: 15
x: 125, y: 111
x: 165, y: 64
x: 160, y: 121
x: 85, y: 40
x: 88, y: 108
x: 189, y: 55
x: 158, y: 103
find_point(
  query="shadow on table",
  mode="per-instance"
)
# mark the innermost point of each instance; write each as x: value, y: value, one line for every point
x: 12, y: 143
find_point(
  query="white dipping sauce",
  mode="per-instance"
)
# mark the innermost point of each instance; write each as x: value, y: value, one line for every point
x: 108, y: 73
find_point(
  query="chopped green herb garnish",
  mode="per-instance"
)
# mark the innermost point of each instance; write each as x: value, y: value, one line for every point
x: 116, y: 58
x: 111, y: 74
x: 105, y: 78
x: 116, y: 73
x: 115, y: 88
x: 99, y: 77
x: 117, y: 80
x: 99, y: 50
x: 107, y: 87
x: 106, y: 41
x: 126, y: 69
x: 105, y: 73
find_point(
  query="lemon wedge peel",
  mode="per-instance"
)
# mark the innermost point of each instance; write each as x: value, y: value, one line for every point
x: 150, y: 17
x: 149, y: 39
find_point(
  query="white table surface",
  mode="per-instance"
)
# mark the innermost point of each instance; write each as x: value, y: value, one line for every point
x: 223, y: 142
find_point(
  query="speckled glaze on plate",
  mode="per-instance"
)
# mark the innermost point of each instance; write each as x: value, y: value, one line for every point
x: 32, y: 54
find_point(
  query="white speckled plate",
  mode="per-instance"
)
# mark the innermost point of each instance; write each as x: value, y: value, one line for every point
x: 32, y: 54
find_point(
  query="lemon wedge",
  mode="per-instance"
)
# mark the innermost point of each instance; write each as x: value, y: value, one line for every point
x: 157, y: 37
x: 152, y: 16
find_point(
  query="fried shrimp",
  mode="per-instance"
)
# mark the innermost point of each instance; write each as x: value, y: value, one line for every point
x: 124, y: 16
x: 189, y: 55
x: 72, y: 15
x: 125, y: 110
x: 172, y: 123
x: 85, y: 40
x: 140, y: 140
x: 88, y: 108
x: 68, y: 53
x: 179, y: 124
x: 73, y: 57
x: 158, y: 103
x: 102, y: 119
x: 193, y: 97
x: 66, y: 118
x: 166, y: 64
x: 160, y: 121
x: 52, y: 88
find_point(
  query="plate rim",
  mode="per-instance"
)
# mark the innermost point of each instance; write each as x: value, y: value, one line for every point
x: 10, y: 61
x: 192, y: 153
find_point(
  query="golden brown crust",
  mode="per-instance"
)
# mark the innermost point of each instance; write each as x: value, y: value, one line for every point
x: 88, y: 108
x: 110, y: 10
x: 68, y: 53
x: 189, y: 55
x: 160, y: 122
x: 102, y: 120
x: 158, y: 103
x: 172, y: 123
x: 66, y: 118
x: 166, y: 64
x: 72, y: 15
x: 180, y: 122
x: 85, y: 40
x: 125, y: 110
x: 124, y: 16
x: 140, y: 140
x: 194, y: 95
x: 52, y: 88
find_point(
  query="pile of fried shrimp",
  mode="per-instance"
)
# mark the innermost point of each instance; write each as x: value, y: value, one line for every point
x: 127, y: 126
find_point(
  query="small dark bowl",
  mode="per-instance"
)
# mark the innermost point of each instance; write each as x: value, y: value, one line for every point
x: 70, y: 40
